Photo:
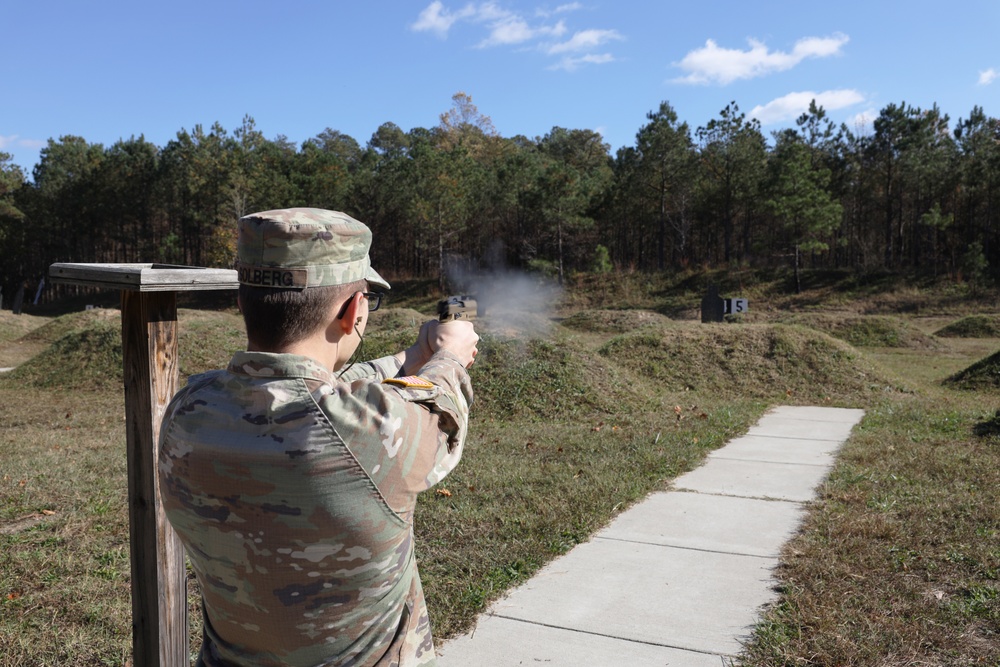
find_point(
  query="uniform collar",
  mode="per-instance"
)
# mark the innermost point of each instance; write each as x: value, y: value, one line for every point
x: 272, y: 365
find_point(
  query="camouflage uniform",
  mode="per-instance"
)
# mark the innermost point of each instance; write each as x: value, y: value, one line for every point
x: 293, y: 491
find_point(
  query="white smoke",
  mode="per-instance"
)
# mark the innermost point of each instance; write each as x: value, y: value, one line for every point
x: 510, y: 302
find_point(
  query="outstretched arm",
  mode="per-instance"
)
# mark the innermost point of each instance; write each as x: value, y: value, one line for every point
x: 458, y: 337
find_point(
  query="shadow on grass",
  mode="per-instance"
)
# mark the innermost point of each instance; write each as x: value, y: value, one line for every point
x: 989, y: 428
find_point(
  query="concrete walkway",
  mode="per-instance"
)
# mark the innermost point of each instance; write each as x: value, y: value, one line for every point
x: 679, y: 578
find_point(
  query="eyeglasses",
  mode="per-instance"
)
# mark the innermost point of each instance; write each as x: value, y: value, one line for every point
x: 374, y: 300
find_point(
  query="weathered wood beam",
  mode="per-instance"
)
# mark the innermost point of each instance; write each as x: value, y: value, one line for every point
x: 150, y: 360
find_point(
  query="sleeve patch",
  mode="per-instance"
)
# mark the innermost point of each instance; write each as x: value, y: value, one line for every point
x: 409, y: 382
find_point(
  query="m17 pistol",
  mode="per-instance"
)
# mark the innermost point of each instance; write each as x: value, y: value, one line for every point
x: 461, y: 307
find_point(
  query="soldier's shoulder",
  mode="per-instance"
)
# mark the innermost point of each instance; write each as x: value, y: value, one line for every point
x: 201, y: 379
x: 194, y: 384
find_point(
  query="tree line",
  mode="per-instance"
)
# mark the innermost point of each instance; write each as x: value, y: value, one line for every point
x: 911, y: 193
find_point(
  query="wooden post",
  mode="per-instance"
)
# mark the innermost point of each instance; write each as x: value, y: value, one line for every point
x: 149, y: 351
x: 159, y: 599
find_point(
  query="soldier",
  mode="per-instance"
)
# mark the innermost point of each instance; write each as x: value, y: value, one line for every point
x: 291, y: 476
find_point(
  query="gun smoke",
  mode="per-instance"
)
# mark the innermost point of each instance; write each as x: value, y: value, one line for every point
x: 510, y: 302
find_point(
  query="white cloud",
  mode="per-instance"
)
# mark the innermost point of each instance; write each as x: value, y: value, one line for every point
x: 512, y: 31
x: 435, y: 18
x: 515, y: 30
x: 986, y: 77
x: 584, y: 41
x: 570, y: 63
x: 715, y: 64
x: 508, y: 28
x: 561, y: 9
x: 863, y: 123
x: 793, y: 105
x: 15, y: 141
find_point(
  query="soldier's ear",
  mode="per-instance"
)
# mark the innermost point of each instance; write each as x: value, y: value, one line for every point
x: 350, y: 312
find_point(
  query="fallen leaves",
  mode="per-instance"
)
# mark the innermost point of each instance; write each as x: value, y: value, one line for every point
x: 693, y: 410
x: 600, y: 425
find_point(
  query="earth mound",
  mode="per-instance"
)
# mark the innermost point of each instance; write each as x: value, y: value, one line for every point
x: 973, y: 326
x: 766, y: 361
x: 980, y: 376
x: 868, y: 330
x: 55, y: 329
x: 89, y: 358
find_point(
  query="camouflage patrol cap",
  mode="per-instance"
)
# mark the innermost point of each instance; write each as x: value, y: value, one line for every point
x: 303, y: 247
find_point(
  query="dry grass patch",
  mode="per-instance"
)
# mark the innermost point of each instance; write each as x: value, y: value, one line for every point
x: 984, y: 375
x: 898, y: 562
x: 13, y: 327
x: 972, y: 326
x: 84, y: 350
x: 395, y: 318
x: 16, y: 346
x: 613, y: 321
x: 867, y: 330
x: 775, y: 362
x: 55, y: 328
x: 64, y: 596
x: 87, y: 358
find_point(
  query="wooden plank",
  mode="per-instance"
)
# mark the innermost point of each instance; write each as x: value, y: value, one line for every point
x: 159, y: 596
x: 144, y: 277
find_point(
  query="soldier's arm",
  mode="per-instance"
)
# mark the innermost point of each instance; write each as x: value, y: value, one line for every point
x: 406, y: 362
x: 375, y: 369
x: 406, y: 435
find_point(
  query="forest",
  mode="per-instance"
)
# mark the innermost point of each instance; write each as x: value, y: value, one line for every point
x: 913, y: 193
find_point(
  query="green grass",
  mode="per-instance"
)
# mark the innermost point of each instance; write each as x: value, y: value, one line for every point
x: 575, y: 419
x: 867, y: 330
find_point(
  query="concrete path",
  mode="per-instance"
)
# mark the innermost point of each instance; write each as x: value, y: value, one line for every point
x: 679, y: 578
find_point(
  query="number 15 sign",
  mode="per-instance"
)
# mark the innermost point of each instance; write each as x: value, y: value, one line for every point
x: 734, y: 306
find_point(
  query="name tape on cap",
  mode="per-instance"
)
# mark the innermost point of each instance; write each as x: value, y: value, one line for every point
x: 269, y: 276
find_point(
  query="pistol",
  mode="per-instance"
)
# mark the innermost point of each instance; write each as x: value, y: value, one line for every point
x: 460, y: 307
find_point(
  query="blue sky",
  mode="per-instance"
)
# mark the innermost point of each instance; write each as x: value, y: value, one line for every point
x: 107, y: 70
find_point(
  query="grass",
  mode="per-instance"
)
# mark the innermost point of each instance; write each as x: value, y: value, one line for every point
x: 578, y: 415
x: 973, y: 326
x: 868, y: 330
x: 898, y: 562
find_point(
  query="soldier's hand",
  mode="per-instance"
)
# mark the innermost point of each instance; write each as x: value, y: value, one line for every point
x: 458, y: 337
x: 422, y: 348
x: 418, y: 354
